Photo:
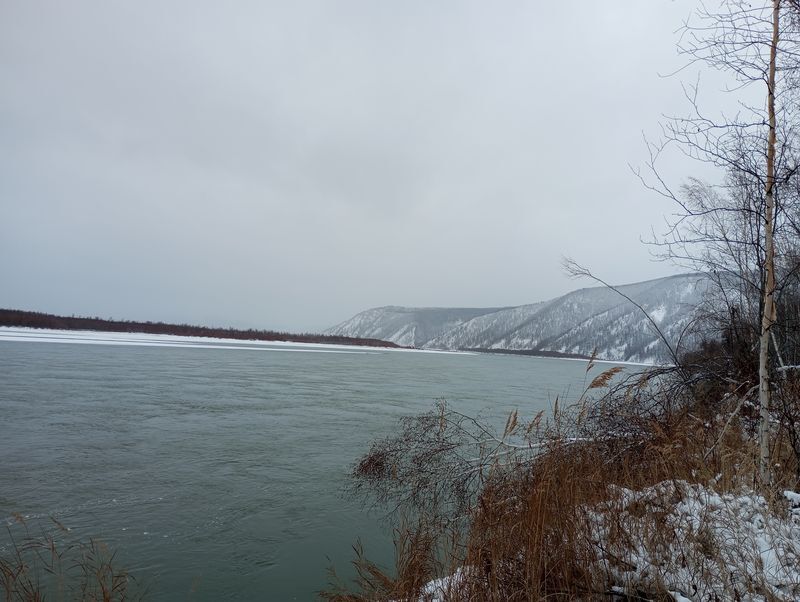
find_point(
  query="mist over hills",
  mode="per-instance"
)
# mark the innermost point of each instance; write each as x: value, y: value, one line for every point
x: 575, y: 323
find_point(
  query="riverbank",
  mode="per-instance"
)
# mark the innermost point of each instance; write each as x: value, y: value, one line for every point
x: 30, y: 319
x: 647, y: 488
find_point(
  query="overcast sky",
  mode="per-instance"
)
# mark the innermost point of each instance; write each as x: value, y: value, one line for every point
x: 288, y: 164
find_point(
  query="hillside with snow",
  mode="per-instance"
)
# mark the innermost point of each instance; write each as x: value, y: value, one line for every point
x: 575, y: 323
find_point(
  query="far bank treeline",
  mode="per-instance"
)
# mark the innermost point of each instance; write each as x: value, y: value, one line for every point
x: 32, y: 319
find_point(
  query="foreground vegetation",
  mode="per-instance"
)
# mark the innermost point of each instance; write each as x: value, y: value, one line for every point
x: 45, y: 565
x: 647, y: 488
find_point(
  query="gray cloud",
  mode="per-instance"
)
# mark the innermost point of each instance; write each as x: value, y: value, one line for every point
x: 287, y: 164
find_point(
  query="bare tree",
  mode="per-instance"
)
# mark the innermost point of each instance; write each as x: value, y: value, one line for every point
x: 741, y: 232
x: 769, y: 311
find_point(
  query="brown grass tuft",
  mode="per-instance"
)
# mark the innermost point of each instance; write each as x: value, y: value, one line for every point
x: 44, y: 568
x: 602, y: 379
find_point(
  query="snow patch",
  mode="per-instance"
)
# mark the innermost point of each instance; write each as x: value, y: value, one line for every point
x: 658, y: 314
x: 717, y: 546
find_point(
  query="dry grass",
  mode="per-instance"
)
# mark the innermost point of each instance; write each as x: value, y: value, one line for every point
x: 532, y: 524
x: 417, y: 563
x: 39, y: 568
x: 541, y: 545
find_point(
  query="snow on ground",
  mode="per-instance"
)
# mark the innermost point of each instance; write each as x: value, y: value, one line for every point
x: 90, y: 337
x: 442, y: 589
x: 708, y: 546
x: 87, y: 337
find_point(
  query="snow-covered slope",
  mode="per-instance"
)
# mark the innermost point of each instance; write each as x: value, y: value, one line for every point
x: 577, y: 322
x: 411, y: 326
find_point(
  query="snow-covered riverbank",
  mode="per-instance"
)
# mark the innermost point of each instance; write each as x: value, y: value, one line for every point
x: 91, y: 337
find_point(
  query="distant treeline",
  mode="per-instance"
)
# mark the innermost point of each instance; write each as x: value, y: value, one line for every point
x: 33, y: 319
x: 534, y: 352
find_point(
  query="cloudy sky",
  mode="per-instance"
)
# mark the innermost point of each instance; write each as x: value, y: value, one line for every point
x: 288, y: 164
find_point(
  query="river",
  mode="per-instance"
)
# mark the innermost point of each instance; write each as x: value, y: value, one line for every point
x: 217, y: 469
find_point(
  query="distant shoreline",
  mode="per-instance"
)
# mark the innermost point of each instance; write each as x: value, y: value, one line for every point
x: 558, y: 355
x: 31, y: 319
x: 533, y: 352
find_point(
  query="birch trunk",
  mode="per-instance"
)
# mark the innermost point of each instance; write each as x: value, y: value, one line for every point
x: 769, y: 312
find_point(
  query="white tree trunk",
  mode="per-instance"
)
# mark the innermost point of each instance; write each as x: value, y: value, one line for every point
x: 769, y: 312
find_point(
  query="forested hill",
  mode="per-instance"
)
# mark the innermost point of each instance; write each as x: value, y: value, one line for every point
x: 576, y: 323
x: 31, y: 319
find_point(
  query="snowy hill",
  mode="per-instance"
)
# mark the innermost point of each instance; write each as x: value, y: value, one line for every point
x: 410, y: 326
x: 577, y: 322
